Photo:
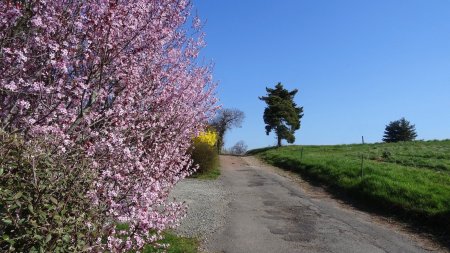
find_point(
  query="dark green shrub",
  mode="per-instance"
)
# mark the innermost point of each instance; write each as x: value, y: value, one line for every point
x: 205, y: 156
x: 387, y: 155
x: 44, y: 205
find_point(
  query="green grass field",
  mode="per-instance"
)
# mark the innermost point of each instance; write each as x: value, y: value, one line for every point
x: 410, y: 178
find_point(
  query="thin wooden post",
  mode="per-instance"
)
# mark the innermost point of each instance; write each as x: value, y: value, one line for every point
x: 301, y: 155
x: 362, y: 165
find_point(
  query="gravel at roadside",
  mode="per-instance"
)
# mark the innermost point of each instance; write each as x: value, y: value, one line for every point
x: 207, y: 202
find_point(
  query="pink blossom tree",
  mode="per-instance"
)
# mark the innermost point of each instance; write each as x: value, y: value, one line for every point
x: 119, y: 79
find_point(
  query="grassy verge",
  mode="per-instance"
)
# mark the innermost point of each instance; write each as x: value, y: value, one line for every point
x: 411, y: 179
x: 178, y: 244
x: 210, y: 174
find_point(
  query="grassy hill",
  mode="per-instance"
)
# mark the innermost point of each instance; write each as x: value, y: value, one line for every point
x: 408, y: 178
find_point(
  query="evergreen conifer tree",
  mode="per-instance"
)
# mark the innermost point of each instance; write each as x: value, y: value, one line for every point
x: 282, y: 115
x: 399, y: 130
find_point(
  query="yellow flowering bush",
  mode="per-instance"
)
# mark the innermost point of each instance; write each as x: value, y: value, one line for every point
x: 204, y: 152
x: 208, y: 137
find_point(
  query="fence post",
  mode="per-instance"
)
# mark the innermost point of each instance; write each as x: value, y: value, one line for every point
x: 301, y: 156
x: 362, y: 159
x: 362, y: 165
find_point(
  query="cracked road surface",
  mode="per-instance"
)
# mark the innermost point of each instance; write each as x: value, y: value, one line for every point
x: 271, y: 213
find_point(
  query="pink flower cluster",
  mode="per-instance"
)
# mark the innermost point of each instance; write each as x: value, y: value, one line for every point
x: 120, y: 79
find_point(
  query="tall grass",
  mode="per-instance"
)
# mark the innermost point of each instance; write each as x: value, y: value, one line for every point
x: 411, y: 178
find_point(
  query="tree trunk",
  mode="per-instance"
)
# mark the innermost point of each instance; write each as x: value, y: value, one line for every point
x: 278, y: 141
x: 220, y: 143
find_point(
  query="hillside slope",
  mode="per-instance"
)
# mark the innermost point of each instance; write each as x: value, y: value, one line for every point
x: 410, y: 178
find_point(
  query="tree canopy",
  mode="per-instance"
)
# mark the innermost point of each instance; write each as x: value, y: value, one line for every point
x: 226, y: 119
x: 282, y: 115
x: 399, y: 130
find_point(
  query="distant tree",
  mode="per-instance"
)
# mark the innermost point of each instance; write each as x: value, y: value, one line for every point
x: 239, y: 148
x: 399, y: 130
x: 225, y: 120
x: 282, y: 115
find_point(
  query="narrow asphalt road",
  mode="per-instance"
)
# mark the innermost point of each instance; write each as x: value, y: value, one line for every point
x: 268, y: 212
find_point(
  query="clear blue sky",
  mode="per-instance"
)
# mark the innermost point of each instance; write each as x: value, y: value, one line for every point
x: 358, y: 64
